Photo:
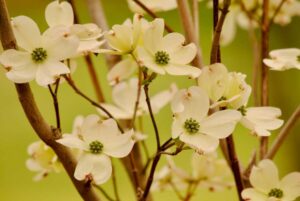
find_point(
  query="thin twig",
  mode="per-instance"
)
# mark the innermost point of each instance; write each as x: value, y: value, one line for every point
x: 38, y: 123
x: 235, y: 166
x: 105, y: 194
x: 94, y: 103
x: 114, y: 181
x: 135, y: 173
x: 189, y: 29
x: 55, y: 103
x: 138, y: 96
x: 265, y: 28
x: 215, y: 49
x: 152, y: 14
x: 89, y: 63
x: 284, y: 133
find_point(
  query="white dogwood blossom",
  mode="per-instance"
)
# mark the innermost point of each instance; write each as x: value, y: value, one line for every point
x: 166, y: 54
x: 211, y: 172
x: 192, y: 124
x: 98, y: 140
x: 124, y: 38
x: 267, y: 186
x: 225, y: 89
x: 42, y: 160
x: 153, y: 5
x: 124, y: 96
x: 60, y: 15
x: 40, y: 56
x: 284, y: 59
x: 261, y: 120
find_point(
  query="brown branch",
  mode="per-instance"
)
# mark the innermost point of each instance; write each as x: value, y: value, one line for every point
x: 283, y: 133
x: 42, y: 129
x: 139, y: 90
x: 187, y: 23
x: 215, y: 55
x: 235, y: 166
x: 89, y: 62
x: 55, y: 103
x: 265, y: 28
x: 97, y: 14
x: 152, y: 14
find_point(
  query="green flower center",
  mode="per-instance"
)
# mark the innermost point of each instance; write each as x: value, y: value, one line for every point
x: 275, y: 192
x: 96, y: 147
x: 243, y: 110
x: 191, y: 126
x: 39, y: 55
x: 162, y: 58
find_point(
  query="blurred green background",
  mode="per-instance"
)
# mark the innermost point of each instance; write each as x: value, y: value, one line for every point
x: 16, y: 134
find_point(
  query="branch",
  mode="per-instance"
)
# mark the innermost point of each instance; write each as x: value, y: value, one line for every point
x: 189, y: 29
x: 284, y: 133
x: 152, y: 14
x: 55, y: 102
x: 265, y: 28
x: 42, y: 129
x: 97, y: 14
x: 215, y: 55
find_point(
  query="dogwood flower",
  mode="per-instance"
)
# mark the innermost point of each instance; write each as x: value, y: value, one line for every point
x: 166, y: 54
x: 260, y: 120
x: 122, y: 71
x: 153, y: 5
x: 267, y: 186
x: 40, y: 56
x: 98, y: 140
x: 284, y: 59
x: 225, y: 89
x: 210, y: 171
x: 42, y: 160
x: 192, y: 124
x: 124, y: 38
x: 60, y: 15
x: 124, y: 96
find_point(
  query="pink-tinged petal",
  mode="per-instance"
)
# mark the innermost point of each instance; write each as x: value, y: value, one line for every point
x: 264, y: 176
x: 48, y: 72
x: 92, y: 165
x: 250, y: 194
x: 59, y: 13
x: 147, y: 59
x: 180, y: 69
x: 61, y: 48
x: 119, y: 146
x: 154, y: 35
x: 290, y: 185
x: 220, y: 124
x: 201, y: 142
x: 184, y: 54
x: 116, y: 112
x: 14, y: 59
x: 172, y: 42
x: 27, y: 33
x: 73, y: 141
x: 22, y: 74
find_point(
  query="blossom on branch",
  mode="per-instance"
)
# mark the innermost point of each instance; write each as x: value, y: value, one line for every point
x: 267, y: 186
x: 98, y: 140
x: 153, y: 5
x: 40, y: 56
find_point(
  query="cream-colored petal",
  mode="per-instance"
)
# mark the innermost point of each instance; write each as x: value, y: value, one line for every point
x: 172, y: 42
x: 14, y: 58
x: 154, y: 35
x: 201, y: 142
x: 22, y: 74
x: 251, y: 194
x: 119, y: 146
x: 178, y: 69
x: 184, y: 54
x: 161, y: 99
x: 116, y: 112
x: 220, y: 124
x: 59, y: 13
x: 72, y: 141
x: 146, y: 59
x: 27, y: 33
x: 290, y: 185
x: 264, y: 176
